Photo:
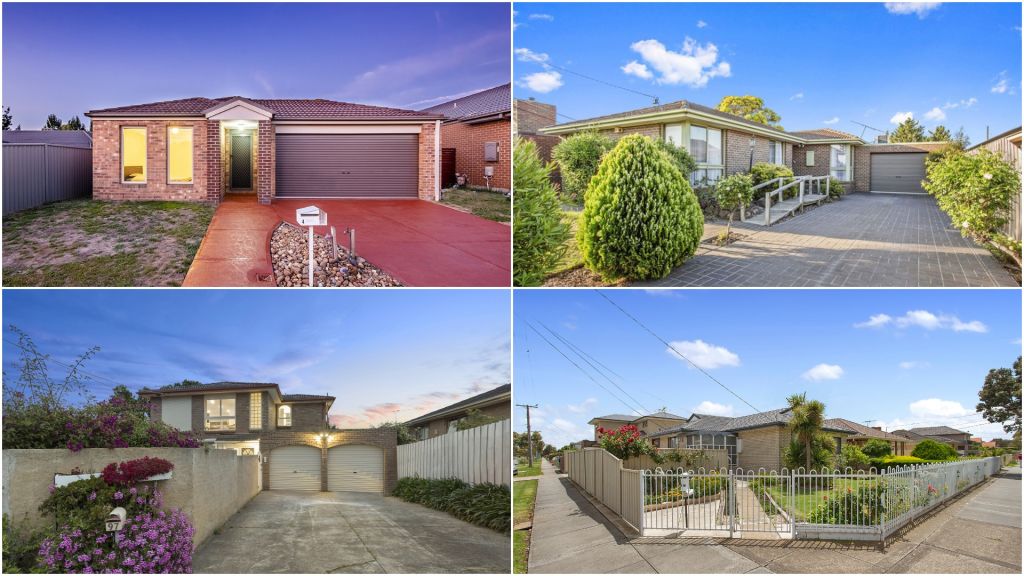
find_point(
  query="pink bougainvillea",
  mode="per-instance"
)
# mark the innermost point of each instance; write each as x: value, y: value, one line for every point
x: 133, y: 471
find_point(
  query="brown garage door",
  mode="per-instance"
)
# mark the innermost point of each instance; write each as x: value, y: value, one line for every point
x: 898, y: 172
x: 347, y: 165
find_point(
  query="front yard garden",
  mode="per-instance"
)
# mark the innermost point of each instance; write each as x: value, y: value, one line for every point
x: 94, y: 243
x: 487, y: 204
x: 524, y: 495
x: 485, y: 504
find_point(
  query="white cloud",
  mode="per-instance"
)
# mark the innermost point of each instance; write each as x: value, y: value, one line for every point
x: 924, y: 319
x: 797, y: 96
x: 664, y: 293
x: 824, y: 372
x: 634, y: 68
x: 704, y: 355
x: 714, y: 409
x: 527, y: 55
x: 972, y: 326
x: 938, y: 407
x: 911, y: 364
x: 545, y: 17
x: 583, y: 407
x: 693, y: 66
x: 876, y: 320
x: 966, y: 103
x: 899, y: 117
x: 935, y: 114
x: 1003, y: 85
x: 920, y: 8
x: 832, y: 120
x: 542, y: 82
x: 702, y: 24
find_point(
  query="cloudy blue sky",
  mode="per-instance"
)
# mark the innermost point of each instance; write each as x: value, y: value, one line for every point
x: 67, y: 59
x: 384, y: 354
x: 899, y: 358
x: 817, y: 65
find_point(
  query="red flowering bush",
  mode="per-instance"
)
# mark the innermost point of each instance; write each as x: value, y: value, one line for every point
x: 625, y: 442
x: 134, y: 471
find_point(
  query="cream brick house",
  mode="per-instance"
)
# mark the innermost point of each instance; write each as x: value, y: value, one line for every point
x: 724, y: 144
x: 299, y: 448
x: 647, y: 425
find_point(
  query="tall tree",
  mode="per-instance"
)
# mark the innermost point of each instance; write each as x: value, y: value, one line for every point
x: 74, y: 124
x: 53, y: 123
x: 8, y: 119
x: 940, y: 134
x: 808, y: 417
x: 909, y: 130
x: 1000, y: 397
x: 960, y: 139
x: 750, y: 107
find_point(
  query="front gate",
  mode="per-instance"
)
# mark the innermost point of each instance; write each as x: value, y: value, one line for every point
x: 717, y: 503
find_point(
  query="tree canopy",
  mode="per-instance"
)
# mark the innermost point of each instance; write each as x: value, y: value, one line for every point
x: 1000, y: 397
x: 752, y: 108
x: 940, y: 134
x: 909, y: 130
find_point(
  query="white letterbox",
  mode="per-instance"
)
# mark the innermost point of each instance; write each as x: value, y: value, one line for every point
x: 311, y: 216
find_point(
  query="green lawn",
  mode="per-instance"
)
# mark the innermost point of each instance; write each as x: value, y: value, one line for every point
x: 524, y: 470
x: 806, y: 500
x: 94, y: 243
x: 573, y: 258
x: 484, y: 203
x: 524, y: 495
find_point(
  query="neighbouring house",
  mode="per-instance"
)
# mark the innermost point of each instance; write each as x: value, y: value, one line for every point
x: 1007, y: 145
x: 724, y: 144
x: 44, y: 166
x: 958, y: 439
x: 528, y: 117
x: 199, y: 149
x: 477, y: 133
x: 70, y: 138
x: 299, y: 448
x: 751, y: 442
x: 495, y: 403
x: 647, y: 424
x: 901, y: 446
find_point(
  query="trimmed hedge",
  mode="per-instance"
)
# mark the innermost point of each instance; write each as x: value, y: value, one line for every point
x: 883, y: 464
x: 487, y: 505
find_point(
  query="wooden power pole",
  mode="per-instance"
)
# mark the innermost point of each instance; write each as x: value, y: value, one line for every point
x: 529, y: 432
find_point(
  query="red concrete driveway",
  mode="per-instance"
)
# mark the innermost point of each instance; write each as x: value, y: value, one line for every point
x: 420, y: 243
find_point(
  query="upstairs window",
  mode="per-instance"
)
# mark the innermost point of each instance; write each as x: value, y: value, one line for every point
x: 284, y: 416
x: 179, y: 155
x: 133, y: 155
x: 220, y: 413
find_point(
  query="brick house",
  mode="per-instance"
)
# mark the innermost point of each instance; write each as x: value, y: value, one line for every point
x: 862, y: 434
x: 477, y: 130
x: 958, y: 439
x: 298, y: 448
x: 496, y: 403
x: 647, y: 424
x: 199, y: 149
x: 724, y: 144
x: 528, y: 117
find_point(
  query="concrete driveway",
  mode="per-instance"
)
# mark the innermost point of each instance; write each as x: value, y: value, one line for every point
x: 326, y: 532
x: 885, y: 240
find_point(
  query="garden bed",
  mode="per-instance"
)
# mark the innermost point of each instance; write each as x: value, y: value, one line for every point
x: 289, y: 252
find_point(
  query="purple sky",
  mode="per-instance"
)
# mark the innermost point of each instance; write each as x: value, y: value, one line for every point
x: 67, y: 59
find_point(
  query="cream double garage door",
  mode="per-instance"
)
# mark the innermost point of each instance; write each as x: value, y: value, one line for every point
x: 350, y: 468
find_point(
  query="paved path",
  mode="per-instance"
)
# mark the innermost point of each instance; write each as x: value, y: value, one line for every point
x: 863, y: 240
x: 979, y: 533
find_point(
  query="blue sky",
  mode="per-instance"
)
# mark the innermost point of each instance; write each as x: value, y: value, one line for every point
x: 384, y: 354
x: 817, y: 65
x: 903, y: 358
x: 67, y: 59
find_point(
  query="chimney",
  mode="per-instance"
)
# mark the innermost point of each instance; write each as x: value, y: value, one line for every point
x: 879, y: 428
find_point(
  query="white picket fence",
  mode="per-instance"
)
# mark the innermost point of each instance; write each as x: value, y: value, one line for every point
x: 478, y: 455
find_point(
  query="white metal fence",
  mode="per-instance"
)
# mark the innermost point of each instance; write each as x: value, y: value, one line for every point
x: 478, y: 455
x: 37, y: 174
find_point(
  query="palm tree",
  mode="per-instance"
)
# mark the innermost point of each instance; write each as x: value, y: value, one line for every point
x: 806, y: 422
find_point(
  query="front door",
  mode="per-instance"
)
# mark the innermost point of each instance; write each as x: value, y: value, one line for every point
x: 241, y: 161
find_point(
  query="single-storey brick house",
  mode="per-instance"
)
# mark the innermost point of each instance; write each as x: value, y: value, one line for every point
x: 496, y: 403
x: 299, y: 449
x: 958, y: 439
x: 477, y: 131
x: 863, y: 434
x: 198, y: 149
x: 724, y: 144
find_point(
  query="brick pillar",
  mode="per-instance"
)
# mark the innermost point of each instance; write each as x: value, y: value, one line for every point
x: 427, y: 161
x: 214, y: 166
x: 265, y: 163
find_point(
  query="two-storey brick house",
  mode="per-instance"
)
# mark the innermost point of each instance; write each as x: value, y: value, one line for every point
x: 291, y: 432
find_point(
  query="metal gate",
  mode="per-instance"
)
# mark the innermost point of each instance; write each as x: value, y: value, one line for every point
x: 734, y: 504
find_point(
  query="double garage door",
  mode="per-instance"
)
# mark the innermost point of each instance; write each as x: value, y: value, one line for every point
x: 350, y: 468
x: 347, y: 165
x: 898, y: 172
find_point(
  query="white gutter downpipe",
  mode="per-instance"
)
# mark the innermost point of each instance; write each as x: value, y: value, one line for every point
x: 437, y: 161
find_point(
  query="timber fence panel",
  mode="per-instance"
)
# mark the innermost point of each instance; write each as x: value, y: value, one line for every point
x: 477, y: 455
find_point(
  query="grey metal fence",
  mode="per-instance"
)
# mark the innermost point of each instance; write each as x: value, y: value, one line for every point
x: 37, y: 174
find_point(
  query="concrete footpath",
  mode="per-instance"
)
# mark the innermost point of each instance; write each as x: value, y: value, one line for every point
x: 980, y: 533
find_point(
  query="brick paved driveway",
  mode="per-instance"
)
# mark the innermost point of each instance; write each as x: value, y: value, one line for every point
x: 862, y: 240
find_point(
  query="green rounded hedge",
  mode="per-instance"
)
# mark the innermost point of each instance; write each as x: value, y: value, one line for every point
x: 640, y: 218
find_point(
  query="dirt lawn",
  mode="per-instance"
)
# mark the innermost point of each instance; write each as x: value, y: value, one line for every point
x: 93, y: 243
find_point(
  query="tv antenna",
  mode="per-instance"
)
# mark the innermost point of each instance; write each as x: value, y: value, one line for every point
x: 866, y: 127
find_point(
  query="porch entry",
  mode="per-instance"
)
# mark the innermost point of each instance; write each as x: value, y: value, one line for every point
x: 241, y: 160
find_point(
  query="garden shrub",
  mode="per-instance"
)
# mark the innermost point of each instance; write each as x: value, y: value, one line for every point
x: 883, y: 464
x: 733, y: 192
x: 626, y: 442
x: 680, y: 157
x: 640, y: 219
x: 852, y: 457
x: 21, y: 547
x: 134, y: 471
x: 876, y: 448
x: 865, y: 506
x: 486, y: 505
x: 763, y: 172
x: 823, y: 449
x: 933, y: 450
x: 539, y: 232
x: 578, y: 157
x: 976, y: 190
x: 835, y: 189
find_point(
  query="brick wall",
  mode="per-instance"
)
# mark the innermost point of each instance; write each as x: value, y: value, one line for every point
x: 652, y: 131
x: 468, y: 141
x: 762, y: 447
x: 862, y: 159
x: 529, y: 116
x: 427, y: 160
x: 265, y: 162
x: 106, y: 155
x: 737, y: 151
x: 822, y: 155
x: 386, y: 439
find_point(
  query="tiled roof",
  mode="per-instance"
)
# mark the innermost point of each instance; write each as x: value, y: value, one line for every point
x: 72, y: 138
x: 909, y: 435
x: 937, y: 431
x: 301, y: 397
x: 678, y: 105
x: 867, y: 431
x: 663, y: 414
x: 778, y: 417
x: 211, y: 386
x: 468, y: 402
x: 301, y: 109
x: 488, y: 102
x: 824, y: 134
x: 620, y: 417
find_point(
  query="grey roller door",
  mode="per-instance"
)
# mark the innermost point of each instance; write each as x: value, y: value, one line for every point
x: 347, y: 165
x: 355, y: 468
x: 295, y: 468
x: 897, y: 172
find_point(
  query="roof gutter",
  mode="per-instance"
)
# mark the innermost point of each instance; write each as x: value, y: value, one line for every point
x: 657, y: 117
x: 479, y: 403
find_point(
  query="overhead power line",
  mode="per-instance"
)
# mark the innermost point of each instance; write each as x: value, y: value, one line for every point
x: 606, y: 83
x: 674, y: 349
